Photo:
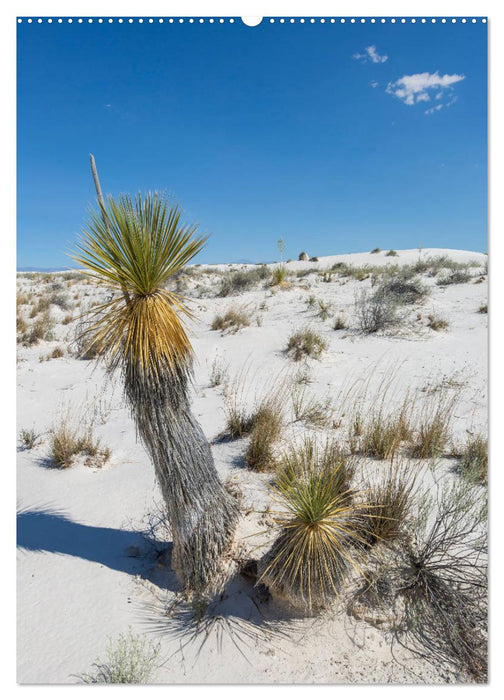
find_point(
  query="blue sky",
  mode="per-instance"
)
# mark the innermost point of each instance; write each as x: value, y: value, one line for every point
x: 338, y: 138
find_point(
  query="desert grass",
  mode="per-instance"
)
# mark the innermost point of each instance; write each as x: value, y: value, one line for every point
x: 219, y: 372
x: 279, y: 275
x: 339, y: 323
x: 455, y: 277
x: 437, y: 323
x: 305, y: 342
x: 60, y: 299
x: 391, y: 254
x: 376, y: 250
x: 472, y: 459
x: 266, y: 431
x: 311, y: 410
x: 381, y: 432
x: 483, y: 309
x: 243, y: 280
x: 324, y: 309
x: 404, y: 291
x: 41, y: 329
x: 315, y: 525
x: 389, y: 500
x: 132, y: 660
x: 68, y: 441
x: 231, y: 321
x: 432, y: 434
x: 28, y: 438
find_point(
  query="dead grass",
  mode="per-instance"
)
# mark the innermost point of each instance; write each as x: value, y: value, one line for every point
x: 232, y: 320
x: 437, y: 323
x: 305, y: 343
x: 66, y: 443
x: 266, y: 431
x: 473, y: 459
x: 432, y: 434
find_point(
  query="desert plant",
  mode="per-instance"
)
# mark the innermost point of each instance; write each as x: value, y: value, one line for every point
x: 324, y: 309
x: 483, y: 309
x: 376, y: 250
x: 67, y: 319
x: 389, y: 504
x: 279, y: 275
x: 243, y: 280
x: 218, y: 372
x: 314, y: 547
x: 316, y: 412
x: 437, y: 323
x: 28, y: 438
x: 132, y: 660
x: 381, y: 433
x: 21, y: 325
x: 444, y: 584
x: 456, y: 277
x: 266, y: 431
x: 134, y: 247
x: 404, y: 291
x: 61, y: 300
x: 339, y: 323
x: 42, y: 329
x: 305, y: 343
x: 303, y: 256
x: 391, y: 254
x: 67, y: 442
x: 375, y: 312
x: 473, y: 459
x: 432, y: 434
x: 231, y: 320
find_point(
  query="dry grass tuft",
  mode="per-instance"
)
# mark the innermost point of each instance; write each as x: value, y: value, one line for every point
x: 234, y: 319
x: 66, y: 443
x: 432, y: 434
x: 305, y: 343
x: 266, y: 431
x: 473, y: 459
x: 437, y: 323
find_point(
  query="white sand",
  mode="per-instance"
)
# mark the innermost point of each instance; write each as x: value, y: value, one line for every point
x: 77, y: 586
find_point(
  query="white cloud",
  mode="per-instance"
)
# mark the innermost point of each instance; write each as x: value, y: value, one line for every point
x: 374, y: 84
x: 441, y: 105
x: 411, y: 89
x: 370, y: 54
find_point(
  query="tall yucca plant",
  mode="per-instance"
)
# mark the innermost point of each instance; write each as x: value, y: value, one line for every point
x: 134, y: 247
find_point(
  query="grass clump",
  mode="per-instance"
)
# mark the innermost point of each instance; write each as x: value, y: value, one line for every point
x: 66, y: 444
x: 376, y: 250
x: 339, y: 323
x: 310, y: 410
x: 432, y: 435
x: 389, y: 504
x: 473, y: 459
x: 60, y: 299
x: 316, y: 527
x: 279, y: 275
x: 483, y: 309
x: 305, y: 343
x: 28, y: 438
x: 266, y: 431
x: 42, y: 329
x: 381, y: 434
x: 391, y: 254
x: 243, y: 280
x: 437, y: 323
x: 323, y: 310
x: 232, y: 320
x: 218, y: 372
x: 132, y: 660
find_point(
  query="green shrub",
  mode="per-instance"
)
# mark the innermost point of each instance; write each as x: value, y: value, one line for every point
x: 243, y: 280
x: 376, y: 312
x: 376, y: 250
x: 279, y: 275
x: 456, y: 277
x: 391, y: 254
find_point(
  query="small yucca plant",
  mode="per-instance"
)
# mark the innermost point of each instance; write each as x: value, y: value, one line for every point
x: 318, y: 538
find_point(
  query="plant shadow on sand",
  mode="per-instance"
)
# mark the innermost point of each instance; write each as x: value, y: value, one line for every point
x: 239, y: 616
x: 47, y: 530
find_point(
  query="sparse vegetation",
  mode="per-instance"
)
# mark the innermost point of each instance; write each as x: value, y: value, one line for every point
x: 243, y: 280
x: 483, y: 309
x: 311, y: 410
x: 403, y: 291
x: 66, y: 442
x: 437, y: 323
x: 473, y: 459
x: 432, y: 434
x: 218, y: 372
x: 375, y: 312
x: 391, y: 254
x: 279, y: 275
x: 28, y: 438
x: 381, y: 433
x: 305, y: 343
x: 42, y: 329
x: 303, y: 256
x: 266, y: 431
x: 339, y: 323
x: 132, y: 660
x: 232, y: 320
x: 455, y: 277
x: 376, y: 250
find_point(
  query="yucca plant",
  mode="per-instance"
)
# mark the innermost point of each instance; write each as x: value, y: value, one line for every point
x: 318, y: 539
x: 133, y: 247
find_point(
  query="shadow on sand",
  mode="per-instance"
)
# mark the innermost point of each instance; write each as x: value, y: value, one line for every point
x: 47, y: 530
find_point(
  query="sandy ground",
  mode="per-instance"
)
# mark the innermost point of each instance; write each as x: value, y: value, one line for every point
x: 86, y: 572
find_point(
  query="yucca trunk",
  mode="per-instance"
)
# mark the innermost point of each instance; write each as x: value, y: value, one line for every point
x: 201, y: 513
